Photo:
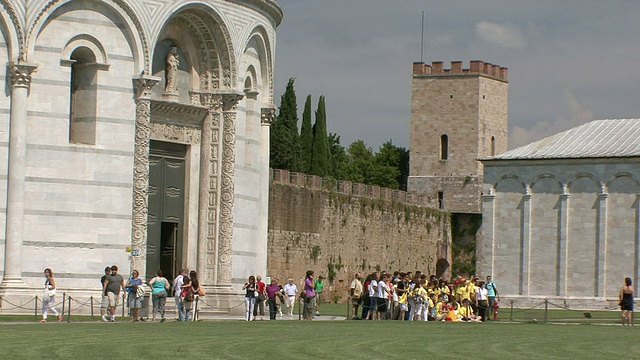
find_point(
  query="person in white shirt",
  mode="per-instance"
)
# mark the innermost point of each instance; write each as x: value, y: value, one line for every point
x: 373, y: 296
x: 177, y: 287
x: 382, y: 295
x: 290, y: 291
x: 482, y: 304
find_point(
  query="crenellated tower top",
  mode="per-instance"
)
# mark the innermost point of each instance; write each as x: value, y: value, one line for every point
x: 476, y: 67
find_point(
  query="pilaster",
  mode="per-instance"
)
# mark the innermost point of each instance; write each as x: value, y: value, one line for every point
x: 227, y: 189
x: 487, y: 243
x: 525, y: 270
x: 601, y: 244
x: 144, y: 86
x: 561, y: 275
x: 20, y: 75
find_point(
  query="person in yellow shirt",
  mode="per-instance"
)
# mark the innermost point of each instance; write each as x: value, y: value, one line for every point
x: 465, y: 313
x: 442, y: 310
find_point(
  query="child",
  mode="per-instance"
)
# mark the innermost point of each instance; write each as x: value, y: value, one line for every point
x: 187, y: 298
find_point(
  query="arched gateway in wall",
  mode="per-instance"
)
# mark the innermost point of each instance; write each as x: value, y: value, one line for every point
x: 140, y: 141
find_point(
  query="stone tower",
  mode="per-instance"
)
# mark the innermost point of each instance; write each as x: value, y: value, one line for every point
x: 457, y: 116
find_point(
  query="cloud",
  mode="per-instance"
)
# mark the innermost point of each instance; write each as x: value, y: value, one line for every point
x: 578, y: 115
x: 505, y: 35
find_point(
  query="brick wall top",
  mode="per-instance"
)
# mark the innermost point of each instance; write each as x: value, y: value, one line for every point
x: 349, y: 188
x: 476, y: 67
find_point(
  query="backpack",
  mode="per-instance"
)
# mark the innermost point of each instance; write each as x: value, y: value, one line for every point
x: 188, y: 297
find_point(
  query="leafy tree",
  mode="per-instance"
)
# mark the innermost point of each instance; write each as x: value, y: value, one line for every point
x: 285, y: 145
x: 306, y: 137
x: 398, y: 158
x: 339, y: 158
x: 320, y: 158
x: 361, y: 161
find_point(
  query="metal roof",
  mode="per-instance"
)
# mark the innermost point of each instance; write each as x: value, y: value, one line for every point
x: 595, y: 139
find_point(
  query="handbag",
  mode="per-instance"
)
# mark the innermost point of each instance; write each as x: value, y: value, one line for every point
x: 201, y: 291
x: 49, y: 292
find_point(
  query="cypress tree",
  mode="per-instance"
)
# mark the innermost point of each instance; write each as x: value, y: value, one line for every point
x: 320, y: 158
x: 285, y: 145
x: 306, y: 137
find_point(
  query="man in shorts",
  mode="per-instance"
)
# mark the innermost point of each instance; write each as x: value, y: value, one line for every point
x: 113, y: 283
x: 290, y: 291
x: 104, y: 305
x: 355, y: 291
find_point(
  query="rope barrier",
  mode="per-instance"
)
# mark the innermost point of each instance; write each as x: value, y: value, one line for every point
x: 15, y: 306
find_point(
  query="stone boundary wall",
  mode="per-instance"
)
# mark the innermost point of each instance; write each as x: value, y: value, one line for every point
x: 337, y: 234
x: 350, y: 188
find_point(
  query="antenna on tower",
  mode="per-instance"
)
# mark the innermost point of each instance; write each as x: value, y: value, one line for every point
x: 422, y: 38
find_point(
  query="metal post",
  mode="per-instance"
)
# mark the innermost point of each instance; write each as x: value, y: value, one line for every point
x: 35, y: 308
x: 546, y: 308
x: 511, y: 316
x: 123, y: 299
x: 195, y: 311
x: 91, y: 298
x: 64, y: 300
x: 348, y: 308
x: 68, y: 311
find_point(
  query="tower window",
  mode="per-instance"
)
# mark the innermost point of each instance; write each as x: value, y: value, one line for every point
x: 83, y: 104
x: 493, y: 146
x: 440, y: 200
x: 444, y: 147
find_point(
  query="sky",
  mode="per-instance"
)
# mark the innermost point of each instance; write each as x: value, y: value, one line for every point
x: 569, y: 61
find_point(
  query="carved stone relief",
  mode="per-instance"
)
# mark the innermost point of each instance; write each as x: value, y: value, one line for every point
x: 144, y: 86
x: 175, y: 133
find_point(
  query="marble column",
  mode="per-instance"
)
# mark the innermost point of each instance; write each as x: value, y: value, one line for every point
x: 267, y: 114
x: 601, y: 246
x: 525, y: 262
x: 20, y: 80
x: 227, y: 188
x: 487, y: 241
x: 563, y: 227
x: 144, y: 86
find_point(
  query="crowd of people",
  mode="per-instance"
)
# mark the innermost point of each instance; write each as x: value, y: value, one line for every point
x: 419, y: 297
x: 186, y: 290
x: 379, y: 296
x: 279, y: 297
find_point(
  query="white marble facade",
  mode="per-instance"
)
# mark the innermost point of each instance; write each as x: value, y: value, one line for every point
x: 564, y: 226
x: 75, y: 204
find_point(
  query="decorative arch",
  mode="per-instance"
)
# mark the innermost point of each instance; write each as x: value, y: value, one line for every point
x: 623, y: 174
x: 134, y: 31
x: 546, y: 176
x: 509, y: 177
x: 250, y: 79
x: 582, y: 175
x: 15, y: 32
x: 264, y: 49
x: 88, y: 41
x: 217, y: 60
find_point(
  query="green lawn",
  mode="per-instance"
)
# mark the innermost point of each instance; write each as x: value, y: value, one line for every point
x: 319, y: 339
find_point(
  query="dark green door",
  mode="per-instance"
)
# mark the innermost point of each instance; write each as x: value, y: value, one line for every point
x: 165, y: 219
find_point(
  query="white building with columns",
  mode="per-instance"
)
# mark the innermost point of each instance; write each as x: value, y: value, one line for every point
x: 561, y: 216
x: 135, y: 133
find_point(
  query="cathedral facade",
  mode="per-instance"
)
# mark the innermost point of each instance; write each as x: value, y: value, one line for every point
x: 135, y: 133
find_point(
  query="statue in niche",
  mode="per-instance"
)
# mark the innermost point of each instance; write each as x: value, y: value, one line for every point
x: 173, y: 61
